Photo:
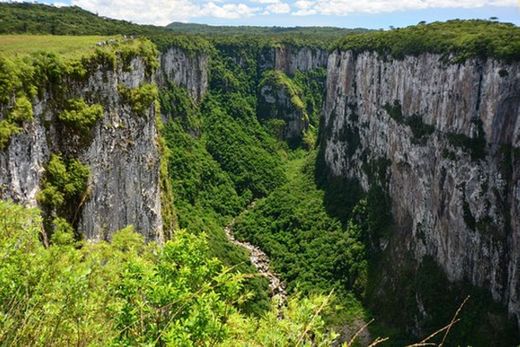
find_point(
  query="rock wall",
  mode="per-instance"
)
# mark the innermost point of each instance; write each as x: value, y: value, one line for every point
x: 277, y: 99
x: 276, y: 102
x: 122, y: 153
x: 184, y: 69
x: 290, y: 59
x: 448, y: 136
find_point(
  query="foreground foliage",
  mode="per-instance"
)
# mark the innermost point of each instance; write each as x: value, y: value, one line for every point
x: 130, y: 293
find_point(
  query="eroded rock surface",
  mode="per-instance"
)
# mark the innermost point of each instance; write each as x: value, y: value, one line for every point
x: 448, y: 138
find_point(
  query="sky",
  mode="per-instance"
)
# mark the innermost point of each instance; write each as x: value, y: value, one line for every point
x: 372, y: 14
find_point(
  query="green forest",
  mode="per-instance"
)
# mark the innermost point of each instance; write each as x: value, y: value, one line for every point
x: 225, y: 162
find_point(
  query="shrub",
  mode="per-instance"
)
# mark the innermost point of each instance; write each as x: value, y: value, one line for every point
x: 394, y: 111
x: 7, y: 129
x: 63, y: 187
x: 131, y: 293
x: 141, y: 98
x: 80, y: 115
x: 21, y: 112
x: 475, y: 146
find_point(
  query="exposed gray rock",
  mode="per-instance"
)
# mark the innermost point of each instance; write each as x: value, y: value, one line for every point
x: 290, y: 59
x: 124, y: 161
x: 276, y: 102
x: 122, y: 154
x: 22, y: 162
x: 184, y: 69
x: 462, y: 209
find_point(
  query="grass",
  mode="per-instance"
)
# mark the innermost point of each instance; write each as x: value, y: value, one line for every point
x: 67, y: 46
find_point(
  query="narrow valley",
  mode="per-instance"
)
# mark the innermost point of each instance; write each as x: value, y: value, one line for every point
x: 196, y: 186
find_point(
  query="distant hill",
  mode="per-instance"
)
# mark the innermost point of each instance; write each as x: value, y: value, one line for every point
x: 26, y: 18
x: 29, y: 18
x: 193, y: 28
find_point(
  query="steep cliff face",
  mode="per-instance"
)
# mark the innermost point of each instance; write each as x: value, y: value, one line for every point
x: 124, y: 159
x: 448, y: 138
x: 121, y: 151
x: 184, y: 69
x: 279, y: 98
x: 289, y: 59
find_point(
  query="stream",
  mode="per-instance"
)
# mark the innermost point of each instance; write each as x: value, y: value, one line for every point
x: 260, y: 261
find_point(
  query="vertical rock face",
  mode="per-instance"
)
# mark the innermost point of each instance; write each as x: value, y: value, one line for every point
x: 290, y: 59
x: 449, y: 138
x: 184, y: 69
x: 278, y: 97
x: 124, y: 161
x: 276, y: 102
x: 22, y: 162
x: 122, y: 154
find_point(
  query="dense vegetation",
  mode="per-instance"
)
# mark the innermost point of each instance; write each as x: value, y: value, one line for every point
x: 323, y: 37
x: 483, y: 322
x: 127, y: 292
x: 12, y: 124
x: 193, y: 28
x: 206, y: 196
x: 64, y: 187
x: 461, y: 39
x: 458, y: 40
x: 27, y: 72
x: 223, y: 158
x: 322, y: 233
x: 29, y: 18
x: 32, y: 18
x: 312, y: 251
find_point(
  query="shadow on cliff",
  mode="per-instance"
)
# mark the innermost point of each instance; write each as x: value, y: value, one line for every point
x: 410, y: 298
x: 341, y: 195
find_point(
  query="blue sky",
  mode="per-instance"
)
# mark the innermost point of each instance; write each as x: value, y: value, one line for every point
x: 342, y: 13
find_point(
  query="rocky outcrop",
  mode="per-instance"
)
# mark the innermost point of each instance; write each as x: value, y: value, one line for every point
x: 280, y: 99
x: 448, y: 138
x: 289, y: 59
x: 121, y: 152
x: 124, y: 160
x: 185, y: 70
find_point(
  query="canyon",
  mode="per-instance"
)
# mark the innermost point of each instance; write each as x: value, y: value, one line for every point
x: 441, y: 139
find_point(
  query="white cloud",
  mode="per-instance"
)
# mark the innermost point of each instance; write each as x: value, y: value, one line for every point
x: 305, y: 8
x: 266, y: 1
x: 227, y: 11
x: 344, y: 7
x: 274, y: 6
x: 278, y: 8
x: 162, y: 12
